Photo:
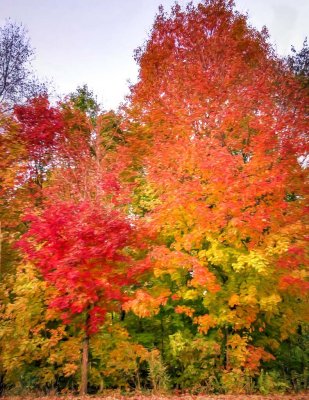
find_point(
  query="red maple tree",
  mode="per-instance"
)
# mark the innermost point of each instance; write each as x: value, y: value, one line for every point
x: 80, y: 250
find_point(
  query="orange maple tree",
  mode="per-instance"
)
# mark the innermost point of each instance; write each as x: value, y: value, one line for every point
x: 219, y: 133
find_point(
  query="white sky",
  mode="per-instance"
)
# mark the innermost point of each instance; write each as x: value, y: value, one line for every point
x: 92, y: 41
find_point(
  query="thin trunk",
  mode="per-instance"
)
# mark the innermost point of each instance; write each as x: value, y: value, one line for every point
x: 224, y: 352
x: 138, y: 381
x: 122, y: 315
x: 84, y: 370
x: 101, y: 385
x: 162, y: 336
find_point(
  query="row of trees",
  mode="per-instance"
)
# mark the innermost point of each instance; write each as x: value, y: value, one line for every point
x: 163, y: 246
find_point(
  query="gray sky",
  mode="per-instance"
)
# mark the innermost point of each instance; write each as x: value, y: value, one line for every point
x: 92, y: 41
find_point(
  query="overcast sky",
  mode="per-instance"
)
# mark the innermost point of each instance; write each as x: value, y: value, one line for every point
x: 92, y: 41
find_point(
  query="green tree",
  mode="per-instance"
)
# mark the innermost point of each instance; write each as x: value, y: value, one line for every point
x: 84, y: 100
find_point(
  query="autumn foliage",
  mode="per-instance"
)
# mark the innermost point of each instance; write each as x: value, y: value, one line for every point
x: 77, y: 248
x: 171, y: 236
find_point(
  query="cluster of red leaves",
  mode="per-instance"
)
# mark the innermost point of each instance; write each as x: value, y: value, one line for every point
x: 78, y: 249
x: 41, y: 124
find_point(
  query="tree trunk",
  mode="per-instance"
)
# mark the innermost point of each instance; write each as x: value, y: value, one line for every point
x: 84, y: 369
x: 224, y: 352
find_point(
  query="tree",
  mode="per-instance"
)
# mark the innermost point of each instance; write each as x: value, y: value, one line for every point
x: 58, y: 157
x: 220, y: 125
x: 84, y: 99
x: 17, y: 81
x: 79, y: 237
x: 78, y: 248
x: 298, y: 62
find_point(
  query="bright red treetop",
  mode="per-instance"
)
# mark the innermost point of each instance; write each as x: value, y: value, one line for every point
x: 41, y: 128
